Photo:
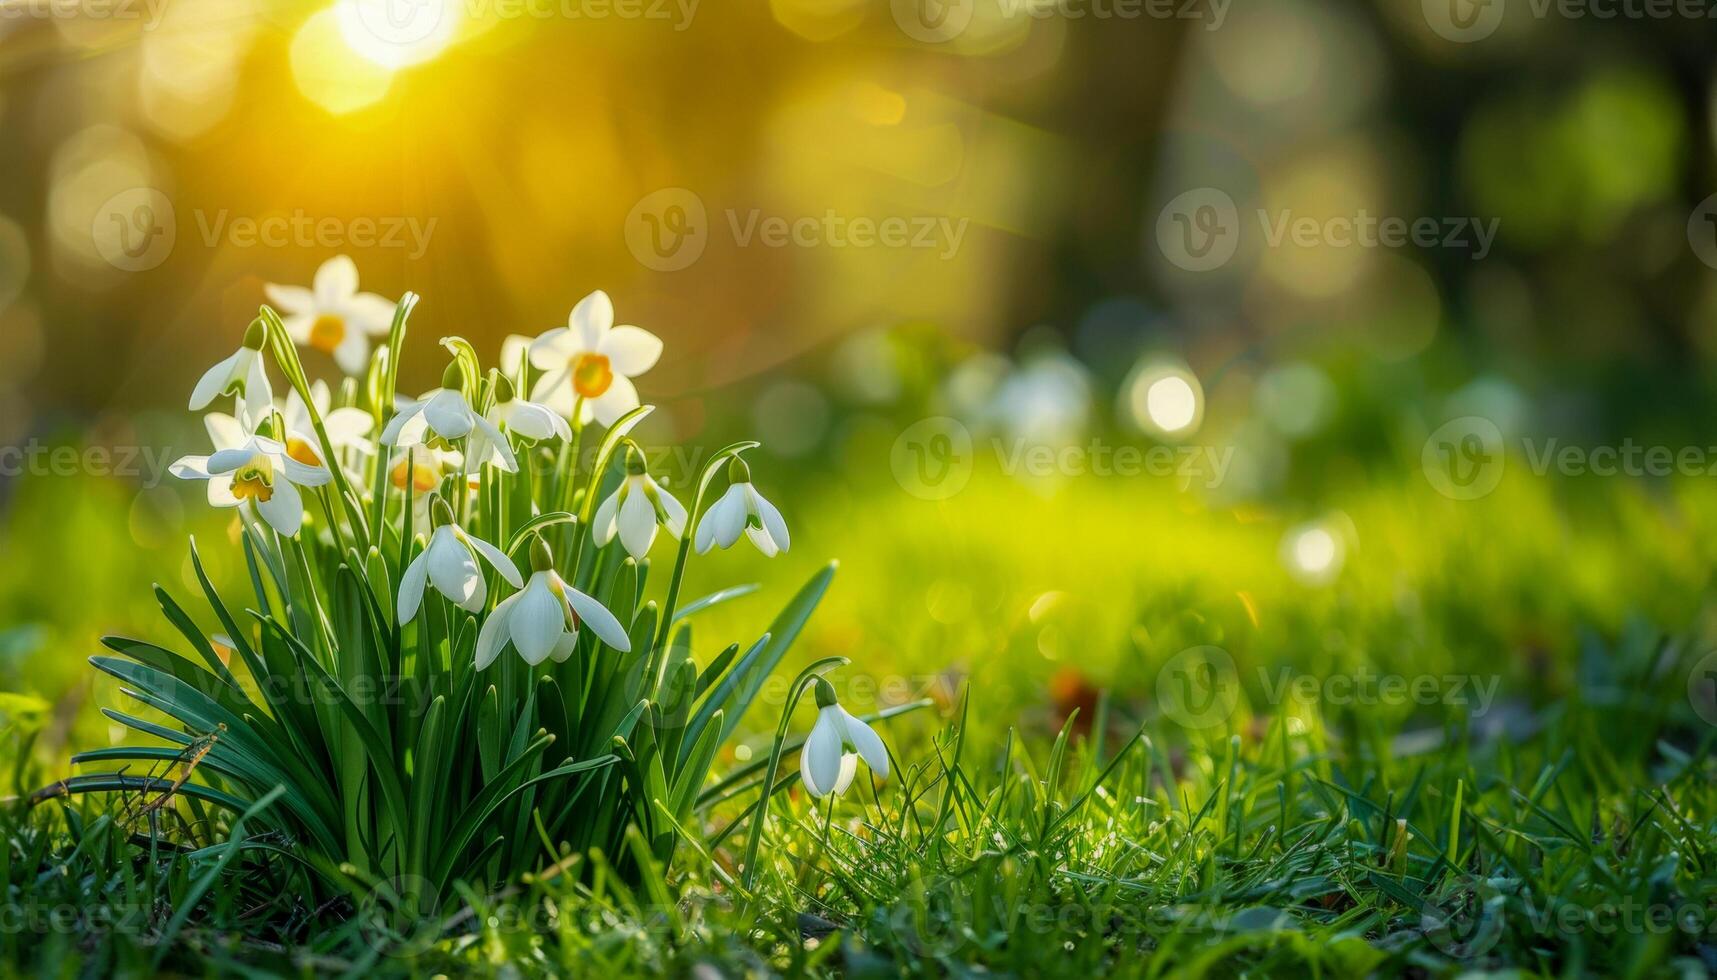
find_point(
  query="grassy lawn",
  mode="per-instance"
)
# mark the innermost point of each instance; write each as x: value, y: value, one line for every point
x: 1484, y: 744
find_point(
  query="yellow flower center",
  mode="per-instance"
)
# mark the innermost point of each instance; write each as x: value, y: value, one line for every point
x: 300, y: 450
x: 591, y: 375
x: 253, y: 482
x: 327, y: 332
x: 422, y: 476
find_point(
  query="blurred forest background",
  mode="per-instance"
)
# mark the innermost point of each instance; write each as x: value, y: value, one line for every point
x: 503, y: 158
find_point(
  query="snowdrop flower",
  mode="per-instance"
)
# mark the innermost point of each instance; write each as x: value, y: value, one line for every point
x: 449, y: 562
x: 346, y: 427
x: 543, y: 621
x: 257, y: 473
x: 742, y: 508
x: 442, y: 416
x: 828, y: 761
x: 241, y: 375
x: 525, y: 419
x: 589, y: 364
x: 334, y: 317
x: 636, y: 509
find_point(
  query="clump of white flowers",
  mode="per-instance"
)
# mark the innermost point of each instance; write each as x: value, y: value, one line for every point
x: 394, y: 540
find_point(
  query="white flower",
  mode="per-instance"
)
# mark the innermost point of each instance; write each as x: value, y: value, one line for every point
x: 526, y: 419
x: 449, y: 562
x: 346, y: 427
x: 590, y: 362
x: 241, y: 375
x: 742, y: 508
x: 439, y: 418
x: 636, y: 508
x: 543, y: 621
x: 827, y: 762
x: 334, y: 317
x: 256, y: 473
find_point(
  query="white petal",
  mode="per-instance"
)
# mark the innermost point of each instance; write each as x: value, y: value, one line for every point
x: 454, y: 571
x: 190, y: 468
x: 493, y: 636
x: 221, y: 491
x: 596, y: 616
x: 497, y: 558
x: 503, y: 450
x: 637, y: 524
x: 866, y: 741
x: 370, y: 313
x: 772, y: 522
x: 290, y: 299
x: 731, y: 518
x: 849, y: 769
x: 395, y: 429
x: 554, y: 389
x: 563, y: 650
x: 631, y: 350
x: 553, y: 350
x: 820, y: 759
x: 591, y: 319
x: 213, y: 382
x: 603, y: 528
x: 673, y: 511
x: 298, y: 327
x: 347, y: 425
x: 227, y: 460
x: 538, y: 621
x: 353, y: 353
x: 303, y: 474
x: 531, y: 420
x: 620, y: 398
x: 411, y: 587
x: 336, y: 281
x: 449, y: 415
x: 514, y: 349
x: 224, y: 430
x: 284, y: 511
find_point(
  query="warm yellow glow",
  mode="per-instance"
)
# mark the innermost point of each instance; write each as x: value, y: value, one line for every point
x: 329, y: 72
x: 398, y: 33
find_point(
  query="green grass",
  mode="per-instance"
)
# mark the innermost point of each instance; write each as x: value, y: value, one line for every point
x: 1563, y: 824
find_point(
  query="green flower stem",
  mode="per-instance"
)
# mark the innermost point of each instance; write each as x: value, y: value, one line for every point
x: 286, y: 355
x: 760, y: 818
